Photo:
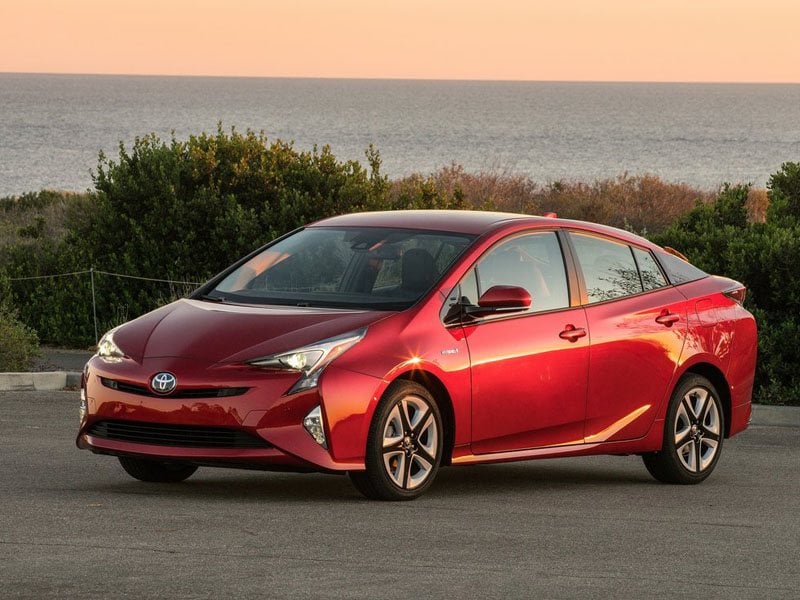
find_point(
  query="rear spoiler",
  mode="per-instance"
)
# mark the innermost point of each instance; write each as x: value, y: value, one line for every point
x: 674, y: 252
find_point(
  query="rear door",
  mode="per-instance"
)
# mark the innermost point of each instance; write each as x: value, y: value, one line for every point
x: 638, y: 325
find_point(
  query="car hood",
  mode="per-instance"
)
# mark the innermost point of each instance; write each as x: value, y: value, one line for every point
x: 223, y: 333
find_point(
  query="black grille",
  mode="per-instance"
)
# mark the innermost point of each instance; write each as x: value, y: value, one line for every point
x: 142, y: 390
x: 187, y: 436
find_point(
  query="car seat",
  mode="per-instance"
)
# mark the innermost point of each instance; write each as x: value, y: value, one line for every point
x: 418, y: 271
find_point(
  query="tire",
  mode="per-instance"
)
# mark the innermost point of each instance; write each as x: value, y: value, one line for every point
x: 694, y: 429
x: 156, y: 472
x: 404, y: 445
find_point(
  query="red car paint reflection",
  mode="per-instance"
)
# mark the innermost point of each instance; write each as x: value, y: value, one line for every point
x: 388, y: 344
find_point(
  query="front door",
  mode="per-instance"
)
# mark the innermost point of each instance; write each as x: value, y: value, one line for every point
x: 528, y: 369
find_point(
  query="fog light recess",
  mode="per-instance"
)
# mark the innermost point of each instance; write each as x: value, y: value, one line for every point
x: 314, y: 426
x: 83, y: 406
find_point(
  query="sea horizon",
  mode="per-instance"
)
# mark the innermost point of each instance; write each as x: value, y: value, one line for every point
x: 432, y: 79
x: 53, y: 126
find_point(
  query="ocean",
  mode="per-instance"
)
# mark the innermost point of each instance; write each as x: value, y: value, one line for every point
x: 53, y: 126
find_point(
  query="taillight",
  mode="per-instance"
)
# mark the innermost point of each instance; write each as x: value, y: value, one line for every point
x: 737, y: 294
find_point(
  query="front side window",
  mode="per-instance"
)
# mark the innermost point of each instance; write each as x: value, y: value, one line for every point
x: 348, y: 267
x: 609, y: 269
x: 533, y: 261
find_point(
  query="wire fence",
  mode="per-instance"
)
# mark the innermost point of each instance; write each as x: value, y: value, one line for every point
x: 92, y: 272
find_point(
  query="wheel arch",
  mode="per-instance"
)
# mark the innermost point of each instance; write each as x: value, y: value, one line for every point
x: 720, y: 382
x: 444, y: 402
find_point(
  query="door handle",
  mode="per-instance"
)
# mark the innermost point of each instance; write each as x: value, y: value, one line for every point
x: 572, y: 333
x: 667, y: 318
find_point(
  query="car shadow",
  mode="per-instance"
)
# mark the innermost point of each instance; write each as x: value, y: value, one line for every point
x: 215, y: 484
x: 540, y: 477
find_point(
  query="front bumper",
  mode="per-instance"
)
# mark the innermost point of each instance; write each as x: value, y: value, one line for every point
x: 270, y: 420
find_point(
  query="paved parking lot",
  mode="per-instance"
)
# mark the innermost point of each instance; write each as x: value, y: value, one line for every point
x: 73, y: 525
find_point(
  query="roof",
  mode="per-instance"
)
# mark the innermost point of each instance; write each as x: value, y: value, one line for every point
x: 472, y: 222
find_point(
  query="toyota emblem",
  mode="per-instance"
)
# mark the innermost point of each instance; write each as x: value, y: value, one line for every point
x: 163, y: 383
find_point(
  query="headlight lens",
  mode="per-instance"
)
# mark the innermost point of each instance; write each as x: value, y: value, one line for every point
x: 311, y: 360
x: 108, y: 350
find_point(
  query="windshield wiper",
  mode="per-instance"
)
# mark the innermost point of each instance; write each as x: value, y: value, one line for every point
x: 208, y: 298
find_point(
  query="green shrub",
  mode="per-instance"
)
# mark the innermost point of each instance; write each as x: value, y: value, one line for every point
x: 784, y: 192
x: 184, y: 210
x: 719, y: 238
x: 19, y: 344
x: 704, y: 234
x: 777, y: 375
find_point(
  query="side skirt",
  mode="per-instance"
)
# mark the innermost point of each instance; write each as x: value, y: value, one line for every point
x: 649, y: 443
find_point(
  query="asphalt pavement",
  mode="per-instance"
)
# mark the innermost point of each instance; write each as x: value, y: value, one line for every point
x: 74, y: 525
x: 61, y: 359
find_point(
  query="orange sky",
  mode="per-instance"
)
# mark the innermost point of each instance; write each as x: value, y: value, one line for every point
x: 600, y: 40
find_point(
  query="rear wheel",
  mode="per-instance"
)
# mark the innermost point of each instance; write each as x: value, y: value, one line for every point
x: 155, y: 471
x: 404, y: 445
x: 693, y: 434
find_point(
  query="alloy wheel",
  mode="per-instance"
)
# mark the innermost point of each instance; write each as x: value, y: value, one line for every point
x: 410, y: 442
x: 697, y: 430
x: 694, y: 431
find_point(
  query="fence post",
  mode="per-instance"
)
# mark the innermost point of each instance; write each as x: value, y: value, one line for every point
x: 94, y: 307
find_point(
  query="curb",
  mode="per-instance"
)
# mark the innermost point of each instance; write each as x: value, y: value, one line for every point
x: 39, y: 382
x: 763, y: 414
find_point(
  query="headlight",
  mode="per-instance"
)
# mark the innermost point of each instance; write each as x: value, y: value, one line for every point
x: 108, y: 350
x: 311, y: 360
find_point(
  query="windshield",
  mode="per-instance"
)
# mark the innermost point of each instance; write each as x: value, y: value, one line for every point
x: 347, y: 267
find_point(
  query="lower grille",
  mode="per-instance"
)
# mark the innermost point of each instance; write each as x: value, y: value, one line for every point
x: 185, y: 436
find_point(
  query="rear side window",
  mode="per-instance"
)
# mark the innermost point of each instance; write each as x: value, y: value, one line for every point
x: 679, y: 271
x: 609, y: 269
x: 652, y: 277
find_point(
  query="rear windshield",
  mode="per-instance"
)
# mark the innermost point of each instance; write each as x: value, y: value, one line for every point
x: 679, y: 271
x: 352, y: 267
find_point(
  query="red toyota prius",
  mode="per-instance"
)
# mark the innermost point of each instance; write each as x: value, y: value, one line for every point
x: 386, y: 345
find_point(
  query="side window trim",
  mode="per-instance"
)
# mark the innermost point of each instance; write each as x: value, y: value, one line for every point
x: 575, y: 283
x: 667, y: 282
x: 638, y: 268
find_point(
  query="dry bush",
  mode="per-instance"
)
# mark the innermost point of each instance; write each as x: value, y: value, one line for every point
x: 45, y: 215
x: 487, y: 190
x: 642, y: 203
x: 757, y: 203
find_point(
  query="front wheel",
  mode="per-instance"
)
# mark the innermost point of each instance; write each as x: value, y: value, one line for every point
x: 693, y: 434
x: 404, y: 445
x: 154, y: 471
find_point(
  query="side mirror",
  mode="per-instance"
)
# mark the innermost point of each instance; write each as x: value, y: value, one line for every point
x: 501, y: 299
